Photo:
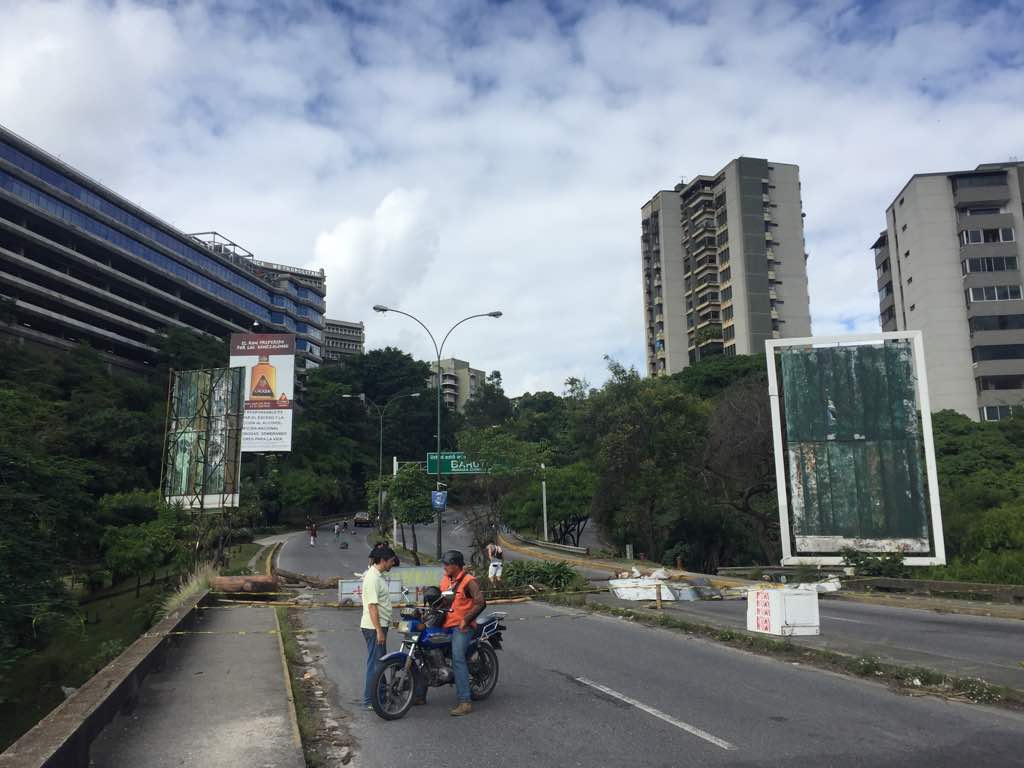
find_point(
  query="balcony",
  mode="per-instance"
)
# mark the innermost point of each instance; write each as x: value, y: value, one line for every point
x: 993, y: 193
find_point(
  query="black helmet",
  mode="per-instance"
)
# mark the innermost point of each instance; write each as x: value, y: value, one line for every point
x: 431, y: 595
x: 453, y: 557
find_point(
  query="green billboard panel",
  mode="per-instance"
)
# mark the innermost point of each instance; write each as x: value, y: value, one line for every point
x: 854, y: 459
x: 453, y: 463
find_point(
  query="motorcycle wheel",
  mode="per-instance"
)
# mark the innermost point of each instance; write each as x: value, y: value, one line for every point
x: 393, y: 690
x: 483, y: 672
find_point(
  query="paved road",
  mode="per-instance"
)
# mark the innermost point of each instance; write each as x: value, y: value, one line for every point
x: 969, y: 646
x: 578, y: 689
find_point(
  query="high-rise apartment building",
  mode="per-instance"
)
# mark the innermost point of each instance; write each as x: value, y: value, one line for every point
x: 459, y: 382
x: 343, y: 339
x: 81, y: 264
x: 724, y: 264
x: 948, y: 264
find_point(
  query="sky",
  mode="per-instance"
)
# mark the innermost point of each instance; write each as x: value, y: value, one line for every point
x: 449, y: 157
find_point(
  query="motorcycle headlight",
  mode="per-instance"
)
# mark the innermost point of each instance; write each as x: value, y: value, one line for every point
x: 414, y: 638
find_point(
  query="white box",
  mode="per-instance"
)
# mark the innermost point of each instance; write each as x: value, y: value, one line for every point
x: 783, y: 612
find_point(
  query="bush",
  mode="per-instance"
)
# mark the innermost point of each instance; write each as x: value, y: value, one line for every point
x: 1006, y: 567
x: 888, y: 564
x: 559, y: 576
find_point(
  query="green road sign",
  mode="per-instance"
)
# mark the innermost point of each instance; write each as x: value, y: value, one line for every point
x: 453, y: 463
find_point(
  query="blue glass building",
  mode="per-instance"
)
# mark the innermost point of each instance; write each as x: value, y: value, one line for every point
x: 79, y: 263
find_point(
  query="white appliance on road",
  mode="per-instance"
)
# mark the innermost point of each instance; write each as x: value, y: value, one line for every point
x: 783, y: 612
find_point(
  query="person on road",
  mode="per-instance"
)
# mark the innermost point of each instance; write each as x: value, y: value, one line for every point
x: 312, y: 534
x: 467, y: 601
x: 376, y: 613
x: 337, y: 532
x: 496, y: 556
x: 344, y: 526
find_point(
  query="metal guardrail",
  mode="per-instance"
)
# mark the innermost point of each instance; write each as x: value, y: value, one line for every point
x: 551, y: 545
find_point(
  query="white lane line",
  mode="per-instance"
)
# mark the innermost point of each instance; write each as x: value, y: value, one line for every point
x: 836, y: 618
x: 691, y: 729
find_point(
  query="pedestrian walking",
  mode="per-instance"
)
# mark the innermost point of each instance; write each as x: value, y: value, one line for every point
x: 376, y: 613
x: 337, y: 532
x: 312, y: 534
x: 497, y: 558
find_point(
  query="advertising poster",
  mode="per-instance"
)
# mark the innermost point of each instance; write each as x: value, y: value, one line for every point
x: 269, y: 363
x: 202, y: 450
x: 855, y: 463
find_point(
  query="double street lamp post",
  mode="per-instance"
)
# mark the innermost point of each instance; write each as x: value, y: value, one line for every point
x: 380, y: 409
x: 437, y: 349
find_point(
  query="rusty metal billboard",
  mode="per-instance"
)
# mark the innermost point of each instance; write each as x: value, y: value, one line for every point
x: 855, y: 463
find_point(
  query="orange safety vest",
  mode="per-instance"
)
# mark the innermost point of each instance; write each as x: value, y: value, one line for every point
x: 461, y: 602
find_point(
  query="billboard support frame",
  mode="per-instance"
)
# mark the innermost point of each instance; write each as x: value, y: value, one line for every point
x: 916, y: 339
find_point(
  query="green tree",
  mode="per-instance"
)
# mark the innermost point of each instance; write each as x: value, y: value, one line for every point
x: 409, y: 500
x: 489, y: 406
x: 570, y: 493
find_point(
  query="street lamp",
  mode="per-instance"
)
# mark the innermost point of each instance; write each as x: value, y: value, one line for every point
x: 438, y: 349
x: 380, y: 446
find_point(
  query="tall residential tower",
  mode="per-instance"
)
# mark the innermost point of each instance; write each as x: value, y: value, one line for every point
x: 948, y: 264
x: 724, y: 264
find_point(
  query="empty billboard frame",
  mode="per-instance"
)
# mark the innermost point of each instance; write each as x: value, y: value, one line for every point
x: 854, y: 454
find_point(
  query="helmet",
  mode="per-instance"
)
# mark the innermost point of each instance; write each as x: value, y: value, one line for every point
x: 431, y: 595
x: 453, y: 557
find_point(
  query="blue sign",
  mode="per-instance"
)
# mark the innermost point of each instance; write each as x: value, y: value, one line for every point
x: 439, y: 500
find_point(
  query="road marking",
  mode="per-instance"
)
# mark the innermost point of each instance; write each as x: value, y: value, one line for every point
x: 691, y: 729
x: 836, y: 618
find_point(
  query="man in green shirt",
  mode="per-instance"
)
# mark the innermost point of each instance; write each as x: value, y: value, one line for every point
x: 376, y: 612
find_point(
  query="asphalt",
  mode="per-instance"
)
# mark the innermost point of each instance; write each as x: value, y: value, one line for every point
x: 580, y: 689
x: 966, y: 646
x: 220, y: 699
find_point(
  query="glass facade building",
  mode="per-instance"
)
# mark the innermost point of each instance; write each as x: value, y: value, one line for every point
x: 79, y: 263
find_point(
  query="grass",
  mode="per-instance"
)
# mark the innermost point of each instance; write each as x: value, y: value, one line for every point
x: 303, y: 712
x: 907, y: 679
x: 238, y: 559
x: 33, y: 686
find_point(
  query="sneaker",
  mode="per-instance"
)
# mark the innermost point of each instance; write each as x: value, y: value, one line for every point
x: 464, y: 708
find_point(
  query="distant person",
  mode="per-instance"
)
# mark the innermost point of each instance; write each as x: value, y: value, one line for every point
x: 337, y: 532
x: 344, y: 526
x: 312, y: 534
x: 497, y: 556
x: 376, y: 613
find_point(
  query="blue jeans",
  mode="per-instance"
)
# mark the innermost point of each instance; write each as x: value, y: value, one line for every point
x: 374, y: 651
x: 460, y: 644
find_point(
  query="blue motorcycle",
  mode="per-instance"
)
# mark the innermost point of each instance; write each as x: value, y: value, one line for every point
x: 426, y: 656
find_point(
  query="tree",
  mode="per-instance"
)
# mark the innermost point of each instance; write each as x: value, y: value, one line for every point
x: 410, y: 502
x: 739, y: 462
x: 128, y: 551
x: 489, y: 406
x: 570, y: 493
x: 510, y: 463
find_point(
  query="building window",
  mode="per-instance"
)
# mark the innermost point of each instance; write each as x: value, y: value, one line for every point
x: 988, y: 235
x: 997, y: 323
x: 727, y: 314
x: 910, y: 280
x: 995, y: 293
x: 882, y: 268
x: 729, y: 332
x: 888, y: 316
x: 989, y: 264
x: 727, y: 294
x: 982, y: 211
x: 885, y: 291
x: 996, y: 412
x: 913, y: 307
x: 998, y: 352
x: 988, y: 383
x: 726, y: 274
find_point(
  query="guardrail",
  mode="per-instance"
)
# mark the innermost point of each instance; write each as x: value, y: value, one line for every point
x: 551, y: 545
x: 62, y: 738
x: 995, y: 593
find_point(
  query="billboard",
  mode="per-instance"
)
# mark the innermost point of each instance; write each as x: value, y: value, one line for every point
x: 854, y: 458
x: 269, y: 363
x: 202, y: 446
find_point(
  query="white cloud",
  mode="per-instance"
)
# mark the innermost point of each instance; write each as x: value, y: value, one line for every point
x: 453, y: 157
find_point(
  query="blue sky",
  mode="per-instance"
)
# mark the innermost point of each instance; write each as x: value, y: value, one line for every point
x: 455, y: 157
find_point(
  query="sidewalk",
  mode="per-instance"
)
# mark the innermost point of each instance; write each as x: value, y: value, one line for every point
x: 221, y: 700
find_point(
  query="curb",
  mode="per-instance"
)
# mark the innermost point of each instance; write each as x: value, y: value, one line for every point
x: 289, y: 691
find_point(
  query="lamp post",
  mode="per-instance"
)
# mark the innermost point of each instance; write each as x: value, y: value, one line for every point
x: 380, y: 445
x: 437, y: 349
x: 544, y: 498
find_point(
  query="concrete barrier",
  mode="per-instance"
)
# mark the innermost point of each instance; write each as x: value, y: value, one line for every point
x: 995, y: 593
x: 62, y: 738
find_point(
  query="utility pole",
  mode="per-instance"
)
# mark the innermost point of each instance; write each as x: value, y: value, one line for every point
x: 544, y: 499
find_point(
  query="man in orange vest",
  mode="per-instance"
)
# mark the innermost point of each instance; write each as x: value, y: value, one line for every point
x: 467, y: 601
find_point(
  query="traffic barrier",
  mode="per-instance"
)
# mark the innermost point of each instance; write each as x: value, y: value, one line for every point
x: 62, y: 738
x: 552, y: 545
x: 994, y: 593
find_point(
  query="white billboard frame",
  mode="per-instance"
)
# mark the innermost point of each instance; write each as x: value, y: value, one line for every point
x: 916, y: 339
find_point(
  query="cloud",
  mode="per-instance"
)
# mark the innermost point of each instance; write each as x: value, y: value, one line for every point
x: 457, y: 157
